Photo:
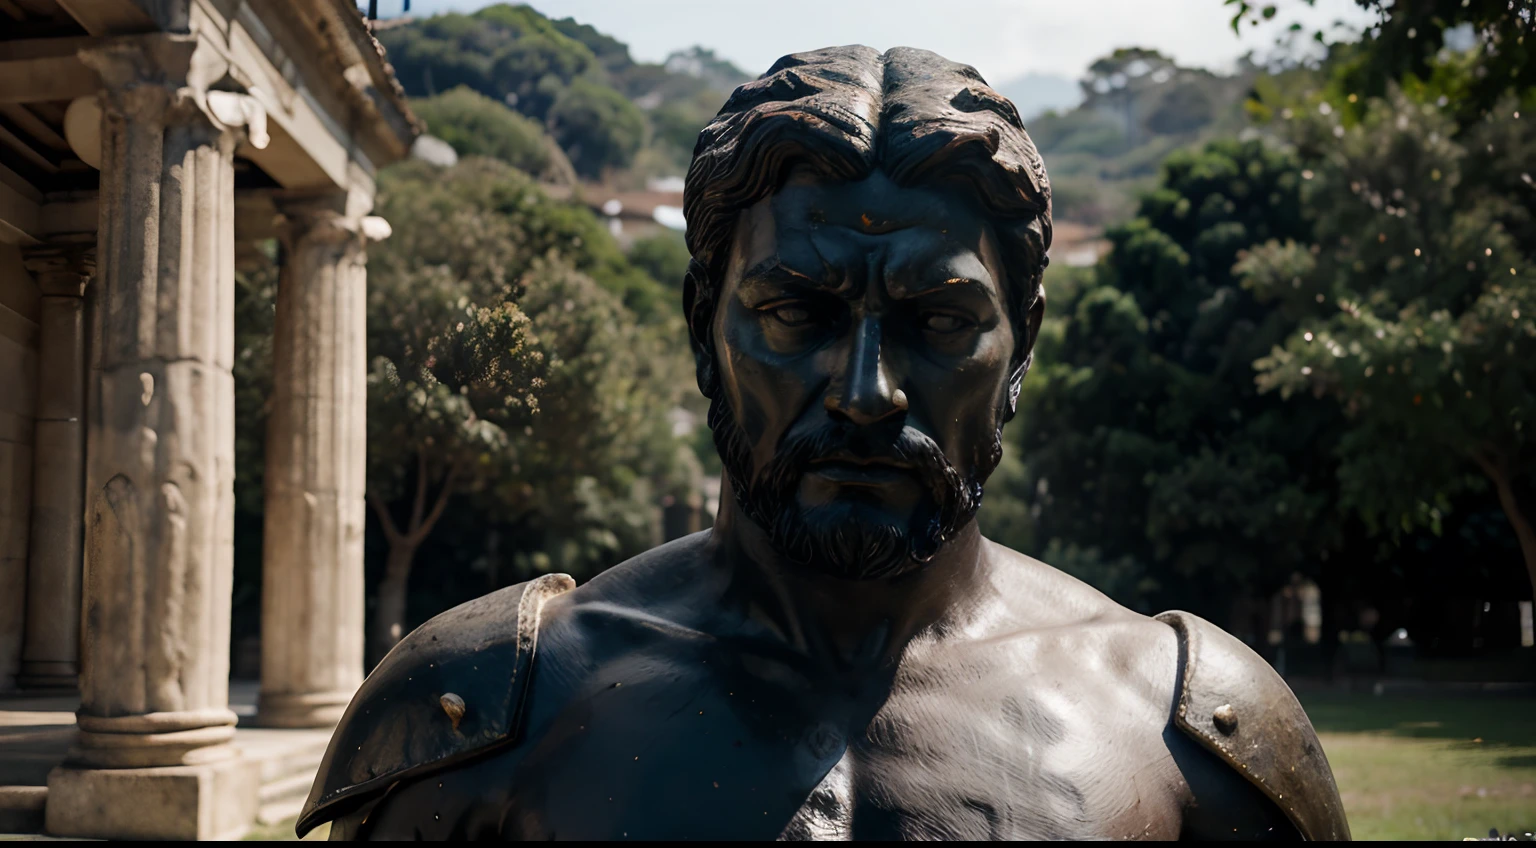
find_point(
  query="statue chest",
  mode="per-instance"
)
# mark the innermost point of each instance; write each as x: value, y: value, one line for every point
x: 966, y: 756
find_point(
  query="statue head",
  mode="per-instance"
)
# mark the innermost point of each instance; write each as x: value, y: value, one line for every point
x: 868, y: 235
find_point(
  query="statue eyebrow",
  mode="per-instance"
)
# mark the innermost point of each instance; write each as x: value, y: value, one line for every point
x: 773, y: 267
x: 772, y: 272
x: 951, y: 284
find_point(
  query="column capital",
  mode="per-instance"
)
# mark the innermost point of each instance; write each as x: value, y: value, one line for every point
x: 323, y: 218
x: 167, y: 78
x: 169, y: 61
x: 61, y: 269
x: 331, y: 218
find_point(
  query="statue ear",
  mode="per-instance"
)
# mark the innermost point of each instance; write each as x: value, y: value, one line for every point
x: 1025, y: 353
x: 699, y: 312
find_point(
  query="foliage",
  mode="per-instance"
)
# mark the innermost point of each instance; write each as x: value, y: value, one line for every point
x: 543, y: 225
x: 611, y: 53
x: 509, y: 53
x: 663, y: 256
x: 1411, y: 37
x: 478, y: 126
x: 1139, y: 107
x: 1415, y: 304
x: 1081, y: 130
x: 255, y: 309
x: 581, y: 84
x: 1117, y: 84
x: 504, y: 370
x: 1138, y: 482
x: 604, y: 436
x: 598, y: 127
x: 1157, y: 469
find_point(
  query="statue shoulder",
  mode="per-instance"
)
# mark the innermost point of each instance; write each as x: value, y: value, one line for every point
x: 1236, y: 706
x: 451, y: 689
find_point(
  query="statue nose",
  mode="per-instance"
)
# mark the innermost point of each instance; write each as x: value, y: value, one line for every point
x: 864, y: 394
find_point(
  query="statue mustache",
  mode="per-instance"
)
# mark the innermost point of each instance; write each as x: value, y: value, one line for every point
x: 910, y: 448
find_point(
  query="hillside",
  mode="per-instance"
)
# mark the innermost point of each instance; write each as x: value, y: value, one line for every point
x: 1137, y: 107
x: 563, y: 101
x: 612, y: 118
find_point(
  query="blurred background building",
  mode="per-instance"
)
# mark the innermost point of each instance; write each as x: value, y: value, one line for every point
x: 146, y: 148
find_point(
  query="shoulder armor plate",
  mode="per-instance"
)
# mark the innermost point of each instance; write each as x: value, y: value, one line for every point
x: 1236, y: 706
x: 451, y: 689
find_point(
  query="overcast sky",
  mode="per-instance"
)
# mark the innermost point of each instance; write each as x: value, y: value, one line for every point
x: 1002, y: 38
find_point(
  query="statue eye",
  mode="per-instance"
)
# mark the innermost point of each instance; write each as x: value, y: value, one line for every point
x: 943, y: 322
x: 792, y: 315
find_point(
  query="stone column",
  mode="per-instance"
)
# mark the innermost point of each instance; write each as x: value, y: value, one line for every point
x: 312, y: 545
x: 51, y: 646
x: 152, y: 759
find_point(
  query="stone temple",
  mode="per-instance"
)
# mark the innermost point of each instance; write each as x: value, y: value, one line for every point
x: 146, y: 147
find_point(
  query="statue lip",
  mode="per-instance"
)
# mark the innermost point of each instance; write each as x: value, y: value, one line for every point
x: 846, y: 458
x: 868, y: 470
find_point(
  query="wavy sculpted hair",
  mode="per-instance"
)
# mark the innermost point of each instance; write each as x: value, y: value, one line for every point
x: 846, y: 112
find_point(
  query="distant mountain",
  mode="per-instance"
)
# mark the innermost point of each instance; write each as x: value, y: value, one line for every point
x: 1035, y: 93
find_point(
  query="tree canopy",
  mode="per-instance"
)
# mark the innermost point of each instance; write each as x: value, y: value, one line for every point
x: 1155, y: 465
x: 1308, y: 352
x: 1415, y: 305
x: 476, y: 125
x: 1139, y: 106
x: 580, y: 84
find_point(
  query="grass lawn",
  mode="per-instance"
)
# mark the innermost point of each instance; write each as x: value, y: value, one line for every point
x: 283, y: 832
x: 1430, y: 766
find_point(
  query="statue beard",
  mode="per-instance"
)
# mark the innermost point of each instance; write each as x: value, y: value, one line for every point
x: 832, y: 539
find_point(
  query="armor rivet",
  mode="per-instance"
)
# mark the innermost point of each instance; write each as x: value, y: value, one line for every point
x: 1226, y: 719
x: 453, y: 705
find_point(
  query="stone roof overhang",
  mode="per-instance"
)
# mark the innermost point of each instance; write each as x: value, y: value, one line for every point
x: 335, y: 110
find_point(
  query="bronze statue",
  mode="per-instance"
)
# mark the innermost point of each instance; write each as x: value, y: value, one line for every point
x: 843, y: 655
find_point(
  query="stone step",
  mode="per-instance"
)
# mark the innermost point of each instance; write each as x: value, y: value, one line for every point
x: 292, y: 786
x: 289, y: 763
x: 278, y: 812
x: 21, y: 808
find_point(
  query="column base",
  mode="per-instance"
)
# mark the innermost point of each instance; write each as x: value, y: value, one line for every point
x: 48, y: 676
x: 212, y: 801
x: 309, y: 709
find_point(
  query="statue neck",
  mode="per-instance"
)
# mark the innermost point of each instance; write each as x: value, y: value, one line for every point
x: 863, y: 623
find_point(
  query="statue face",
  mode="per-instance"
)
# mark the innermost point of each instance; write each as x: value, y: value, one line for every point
x: 864, y: 346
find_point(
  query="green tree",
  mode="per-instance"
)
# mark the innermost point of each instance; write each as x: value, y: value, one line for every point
x: 1118, y: 81
x: 612, y: 53
x: 1157, y: 468
x: 543, y: 225
x: 663, y: 256
x: 452, y: 371
x: 509, y: 53
x: 581, y: 84
x: 478, y: 126
x: 1410, y: 37
x: 505, y: 374
x: 598, y: 127
x: 1415, y: 304
x: 255, y: 311
x: 1139, y: 107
